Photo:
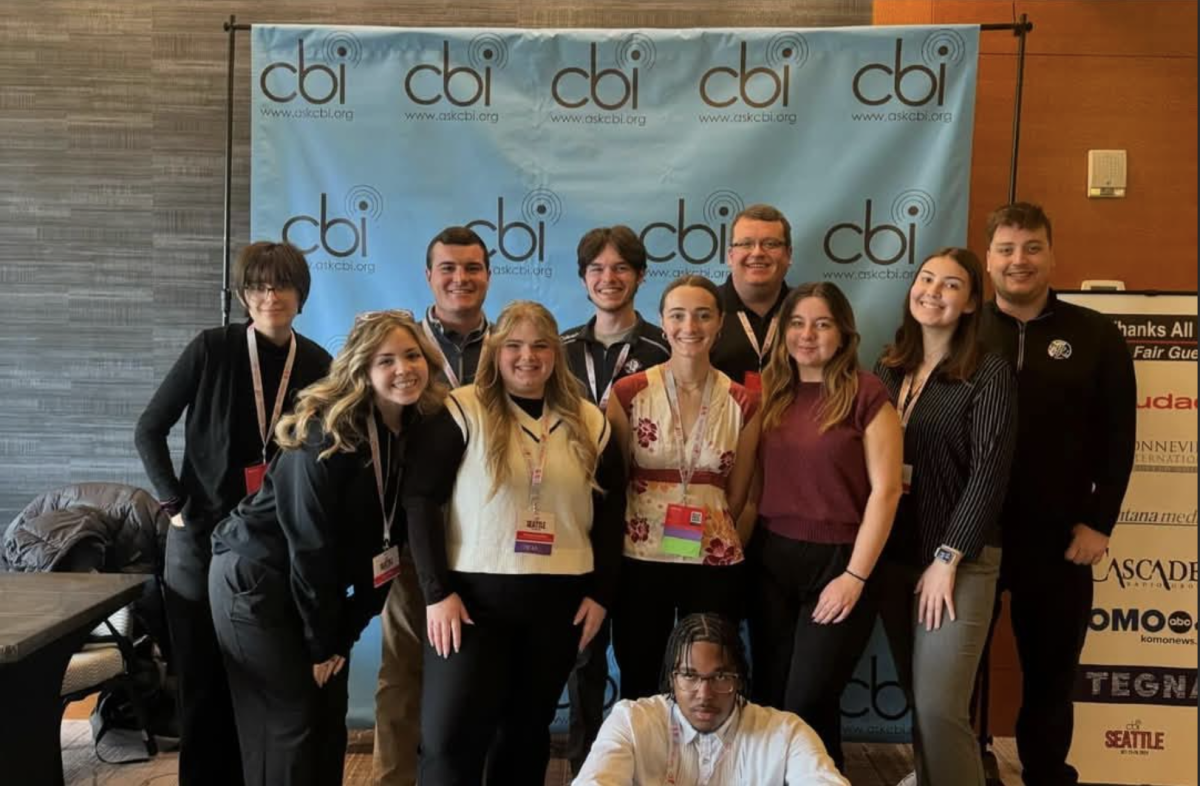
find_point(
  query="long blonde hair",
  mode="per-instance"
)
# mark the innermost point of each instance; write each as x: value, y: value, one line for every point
x: 781, y: 378
x: 342, y: 400
x: 563, y: 394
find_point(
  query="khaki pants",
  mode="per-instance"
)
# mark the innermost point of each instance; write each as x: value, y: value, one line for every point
x: 398, y: 693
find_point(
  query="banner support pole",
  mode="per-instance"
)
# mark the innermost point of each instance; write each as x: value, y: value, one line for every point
x: 231, y: 27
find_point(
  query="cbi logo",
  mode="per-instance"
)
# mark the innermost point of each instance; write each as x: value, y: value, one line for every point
x: 338, y: 234
x: 316, y: 82
x: 885, y: 698
x: 696, y: 243
x: 461, y: 85
x: 915, y: 84
x: 759, y: 84
x: 880, y: 242
x: 607, y: 88
x: 518, y: 241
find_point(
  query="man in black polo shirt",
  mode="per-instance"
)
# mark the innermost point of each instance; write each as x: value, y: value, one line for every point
x: 1076, y: 418
x: 458, y: 272
x: 760, y: 254
x: 614, y: 343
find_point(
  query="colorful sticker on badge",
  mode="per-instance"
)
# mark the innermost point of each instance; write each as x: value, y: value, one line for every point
x: 535, y: 533
x: 683, y: 531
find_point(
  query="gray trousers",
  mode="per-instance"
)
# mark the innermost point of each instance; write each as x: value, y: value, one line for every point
x: 398, y: 692
x: 937, y: 668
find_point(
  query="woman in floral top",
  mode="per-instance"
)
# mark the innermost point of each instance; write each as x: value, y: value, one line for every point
x: 690, y: 434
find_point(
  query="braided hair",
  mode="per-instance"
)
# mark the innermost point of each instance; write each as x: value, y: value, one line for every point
x: 711, y: 628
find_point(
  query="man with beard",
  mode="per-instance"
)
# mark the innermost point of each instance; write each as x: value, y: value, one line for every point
x: 614, y: 343
x: 760, y: 254
x: 702, y: 728
x: 458, y: 272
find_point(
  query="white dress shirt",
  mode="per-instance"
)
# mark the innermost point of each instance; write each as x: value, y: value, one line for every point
x: 756, y: 746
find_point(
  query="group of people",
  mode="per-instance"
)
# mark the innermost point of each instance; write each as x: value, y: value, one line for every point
x: 511, y: 498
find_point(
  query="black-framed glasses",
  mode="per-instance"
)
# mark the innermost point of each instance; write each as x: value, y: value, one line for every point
x: 767, y: 244
x: 260, y: 290
x: 371, y: 316
x: 719, y: 682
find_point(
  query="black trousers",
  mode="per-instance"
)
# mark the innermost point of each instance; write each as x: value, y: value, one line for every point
x: 798, y: 665
x: 208, y: 742
x: 1050, y: 603
x: 292, y: 732
x: 486, y: 709
x: 587, y: 689
x: 652, y: 596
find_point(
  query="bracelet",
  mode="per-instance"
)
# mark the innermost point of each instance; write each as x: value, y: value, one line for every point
x: 849, y: 572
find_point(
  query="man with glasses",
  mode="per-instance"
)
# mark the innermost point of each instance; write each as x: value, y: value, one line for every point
x: 760, y: 254
x: 702, y: 729
x: 458, y: 271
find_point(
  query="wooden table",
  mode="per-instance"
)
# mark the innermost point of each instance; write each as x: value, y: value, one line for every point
x: 44, y: 619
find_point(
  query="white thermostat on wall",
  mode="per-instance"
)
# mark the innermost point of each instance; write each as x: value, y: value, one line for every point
x: 1106, y: 173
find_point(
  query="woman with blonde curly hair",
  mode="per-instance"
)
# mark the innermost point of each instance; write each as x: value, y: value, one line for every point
x: 515, y: 501
x: 831, y: 472
x: 300, y: 568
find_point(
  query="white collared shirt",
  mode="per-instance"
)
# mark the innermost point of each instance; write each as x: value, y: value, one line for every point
x: 756, y: 745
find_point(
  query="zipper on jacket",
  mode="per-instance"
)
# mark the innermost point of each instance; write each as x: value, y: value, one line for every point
x: 1020, y: 346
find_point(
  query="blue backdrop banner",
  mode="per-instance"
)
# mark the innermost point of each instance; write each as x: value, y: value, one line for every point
x: 365, y: 142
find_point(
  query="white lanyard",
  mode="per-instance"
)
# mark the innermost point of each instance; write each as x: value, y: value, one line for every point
x: 602, y: 399
x: 388, y: 516
x: 766, y: 347
x: 686, y: 467
x: 265, y: 430
x: 537, y: 468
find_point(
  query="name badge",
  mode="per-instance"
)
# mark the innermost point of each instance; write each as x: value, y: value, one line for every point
x: 752, y: 382
x: 386, y: 566
x: 906, y: 478
x: 683, y: 530
x: 535, y: 533
x: 254, y: 477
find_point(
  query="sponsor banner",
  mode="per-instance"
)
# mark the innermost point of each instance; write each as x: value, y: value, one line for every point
x: 367, y: 141
x: 1139, y: 744
x: 1135, y: 716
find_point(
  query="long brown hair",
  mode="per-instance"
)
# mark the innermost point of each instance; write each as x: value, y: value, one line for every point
x: 563, y: 393
x: 839, y: 377
x: 342, y: 399
x: 907, y: 352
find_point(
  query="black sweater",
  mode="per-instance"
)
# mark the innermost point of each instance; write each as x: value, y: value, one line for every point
x: 429, y: 477
x: 1076, y: 425
x: 959, y: 441
x: 212, y: 381
x: 319, y: 523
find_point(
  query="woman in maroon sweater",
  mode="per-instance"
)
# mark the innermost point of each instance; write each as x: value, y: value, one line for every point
x: 830, y: 472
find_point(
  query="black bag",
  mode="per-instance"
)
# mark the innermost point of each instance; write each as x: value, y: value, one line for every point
x: 115, y: 717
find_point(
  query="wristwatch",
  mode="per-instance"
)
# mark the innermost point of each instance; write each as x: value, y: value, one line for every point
x: 946, y: 555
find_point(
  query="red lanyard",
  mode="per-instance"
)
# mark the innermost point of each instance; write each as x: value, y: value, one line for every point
x: 766, y: 347
x: 537, y: 467
x: 265, y: 430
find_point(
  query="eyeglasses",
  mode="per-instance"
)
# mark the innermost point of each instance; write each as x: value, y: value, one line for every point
x: 371, y: 316
x: 767, y: 244
x: 260, y: 290
x: 720, y: 682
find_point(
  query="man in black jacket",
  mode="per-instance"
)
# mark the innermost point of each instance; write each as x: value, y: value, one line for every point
x: 1075, y: 447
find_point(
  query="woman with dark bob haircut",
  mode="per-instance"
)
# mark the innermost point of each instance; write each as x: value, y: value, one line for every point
x: 235, y: 383
x: 957, y: 404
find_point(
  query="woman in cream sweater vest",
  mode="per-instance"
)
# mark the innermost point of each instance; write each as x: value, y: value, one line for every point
x: 517, y: 497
